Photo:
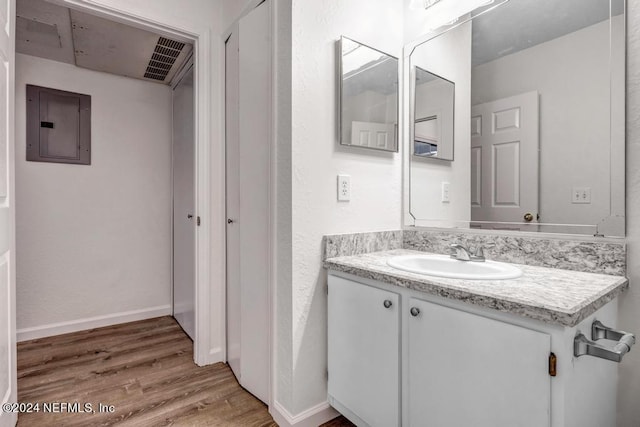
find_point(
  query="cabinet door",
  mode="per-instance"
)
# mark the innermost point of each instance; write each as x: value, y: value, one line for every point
x: 468, y: 370
x: 364, y: 348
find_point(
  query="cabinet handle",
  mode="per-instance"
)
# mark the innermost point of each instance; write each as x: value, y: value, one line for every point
x: 387, y: 303
x: 414, y: 311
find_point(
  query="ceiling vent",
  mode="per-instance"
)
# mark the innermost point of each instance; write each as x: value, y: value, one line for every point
x: 164, y: 56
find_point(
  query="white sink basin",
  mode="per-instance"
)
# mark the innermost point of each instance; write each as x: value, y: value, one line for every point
x: 445, y: 266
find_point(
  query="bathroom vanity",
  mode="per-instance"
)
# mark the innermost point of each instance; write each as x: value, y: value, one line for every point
x: 494, y: 138
x: 408, y: 349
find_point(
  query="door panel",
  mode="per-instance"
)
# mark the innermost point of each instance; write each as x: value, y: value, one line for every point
x: 476, y: 176
x: 7, y: 212
x: 504, y: 159
x: 254, y: 221
x: 475, y: 363
x: 377, y: 135
x: 248, y: 141
x: 506, y: 174
x: 232, y: 130
x: 184, y: 215
x: 364, y: 351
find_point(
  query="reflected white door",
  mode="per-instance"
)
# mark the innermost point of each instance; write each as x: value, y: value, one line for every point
x: 248, y: 142
x: 184, y: 215
x: 375, y: 135
x: 504, y: 160
x: 7, y: 212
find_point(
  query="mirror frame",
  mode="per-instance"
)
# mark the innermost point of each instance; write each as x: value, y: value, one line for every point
x: 340, y: 94
x: 602, y: 229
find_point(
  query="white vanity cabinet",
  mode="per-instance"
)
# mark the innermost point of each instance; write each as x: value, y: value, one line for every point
x: 364, y: 355
x: 431, y: 361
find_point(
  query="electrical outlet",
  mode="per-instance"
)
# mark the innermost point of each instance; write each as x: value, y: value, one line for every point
x: 445, y: 192
x: 344, y: 188
x: 581, y: 195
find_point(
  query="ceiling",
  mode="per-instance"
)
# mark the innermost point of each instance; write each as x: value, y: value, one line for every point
x: 380, y: 76
x: 53, y: 32
x: 521, y: 24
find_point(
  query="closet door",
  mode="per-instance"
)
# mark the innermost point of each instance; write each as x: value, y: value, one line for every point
x: 232, y: 160
x: 255, y: 142
x: 7, y: 212
x: 248, y: 154
x: 184, y: 219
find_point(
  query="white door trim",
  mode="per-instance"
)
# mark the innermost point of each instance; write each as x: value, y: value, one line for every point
x: 205, y: 268
x: 8, y: 208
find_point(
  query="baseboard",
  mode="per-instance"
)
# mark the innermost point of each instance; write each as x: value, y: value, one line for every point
x: 91, y: 323
x: 215, y: 355
x: 312, y: 417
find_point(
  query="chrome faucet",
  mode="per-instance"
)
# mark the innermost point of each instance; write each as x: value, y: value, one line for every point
x: 461, y: 253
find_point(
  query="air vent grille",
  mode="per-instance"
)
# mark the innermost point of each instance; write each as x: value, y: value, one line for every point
x: 164, y: 56
x: 173, y: 44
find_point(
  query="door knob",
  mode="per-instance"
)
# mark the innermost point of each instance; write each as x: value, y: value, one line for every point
x: 528, y: 217
x: 229, y: 221
x: 414, y: 311
x: 189, y: 216
x: 387, y: 303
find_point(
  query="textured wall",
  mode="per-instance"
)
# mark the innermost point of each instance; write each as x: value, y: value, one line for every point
x: 316, y: 161
x: 629, y: 389
x: 95, y: 240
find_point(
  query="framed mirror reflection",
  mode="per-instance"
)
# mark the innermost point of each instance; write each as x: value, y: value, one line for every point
x: 538, y: 120
x: 433, y: 107
x: 368, y: 97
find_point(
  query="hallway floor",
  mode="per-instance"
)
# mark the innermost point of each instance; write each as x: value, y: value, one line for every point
x: 143, y: 369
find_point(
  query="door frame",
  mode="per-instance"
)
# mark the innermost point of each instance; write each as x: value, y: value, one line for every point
x: 207, y: 187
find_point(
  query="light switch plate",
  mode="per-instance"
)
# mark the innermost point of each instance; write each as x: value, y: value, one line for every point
x: 445, y: 192
x: 344, y: 188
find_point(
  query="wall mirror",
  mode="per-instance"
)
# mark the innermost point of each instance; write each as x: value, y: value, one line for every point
x: 537, y: 90
x: 368, y: 97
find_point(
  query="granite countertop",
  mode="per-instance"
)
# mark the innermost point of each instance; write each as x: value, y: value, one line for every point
x: 550, y: 295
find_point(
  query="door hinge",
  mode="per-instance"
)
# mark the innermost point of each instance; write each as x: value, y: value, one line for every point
x: 553, y: 363
x: 198, y: 222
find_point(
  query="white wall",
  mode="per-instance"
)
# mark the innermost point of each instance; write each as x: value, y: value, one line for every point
x: 95, y: 240
x: 571, y: 73
x: 316, y: 160
x: 231, y: 10
x: 447, y: 56
x: 629, y: 386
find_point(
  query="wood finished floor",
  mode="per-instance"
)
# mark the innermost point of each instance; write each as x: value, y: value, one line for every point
x: 144, y: 369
